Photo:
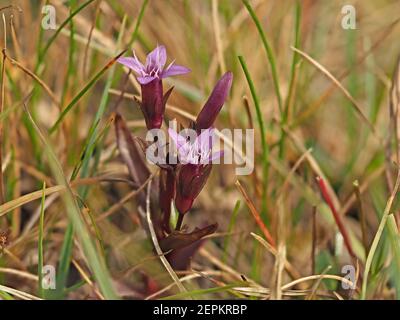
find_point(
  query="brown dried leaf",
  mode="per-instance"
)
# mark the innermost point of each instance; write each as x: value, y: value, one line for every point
x: 131, y: 152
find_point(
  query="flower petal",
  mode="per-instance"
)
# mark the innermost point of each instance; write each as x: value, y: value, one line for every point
x: 205, y: 139
x: 213, y: 106
x: 145, y: 80
x: 177, y: 138
x: 157, y: 58
x: 132, y: 63
x: 174, y: 70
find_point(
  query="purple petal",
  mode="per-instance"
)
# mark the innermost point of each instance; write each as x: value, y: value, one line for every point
x: 145, y: 80
x: 205, y: 139
x: 183, y: 157
x: 157, y: 58
x: 132, y: 63
x: 177, y: 138
x: 213, y: 106
x: 174, y: 70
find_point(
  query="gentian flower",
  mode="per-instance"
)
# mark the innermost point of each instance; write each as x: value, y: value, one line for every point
x: 195, y: 159
x: 213, y: 106
x: 191, y: 180
x: 150, y: 77
x: 196, y: 152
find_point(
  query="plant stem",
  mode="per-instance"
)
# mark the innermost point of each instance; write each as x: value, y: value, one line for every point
x: 336, y: 216
x: 179, y: 222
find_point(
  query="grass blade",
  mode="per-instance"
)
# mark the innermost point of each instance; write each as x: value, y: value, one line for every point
x: 40, y: 242
x: 337, y: 83
x: 395, y: 243
x: 65, y: 261
x: 270, y: 54
x: 95, y: 262
x: 55, y: 35
x: 377, y: 237
x: 138, y: 22
x: 292, y: 83
x: 82, y: 92
x: 264, y: 145
x: 230, y: 228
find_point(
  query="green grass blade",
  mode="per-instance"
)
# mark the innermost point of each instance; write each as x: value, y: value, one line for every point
x: 377, y: 237
x: 295, y: 61
x: 232, y: 223
x: 71, y: 68
x: 138, y: 22
x: 55, y: 35
x: 394, y: 237
x: 4, y: 115
x: 94, y: 260
x: 6, y: 296
x: 65, y: 261
x: 82, y: 92
x: 270, y: 54
x: 296, y: 57
x: 264, y: 145
x: 93, y: 131
x: 89, y: 148
x: 75, y: 286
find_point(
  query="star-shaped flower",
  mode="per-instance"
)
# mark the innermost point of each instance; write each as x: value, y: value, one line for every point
x: 199, y: 151
x: 154, y: 66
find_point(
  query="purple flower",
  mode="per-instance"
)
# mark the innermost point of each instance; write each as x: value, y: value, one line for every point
x: 197, y: 152
x: 150, y: 77
x: 195, y: 163
x: 154, y: 66
x: 195, y: 158
x: 213, y: 106
x: 191, y: 180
